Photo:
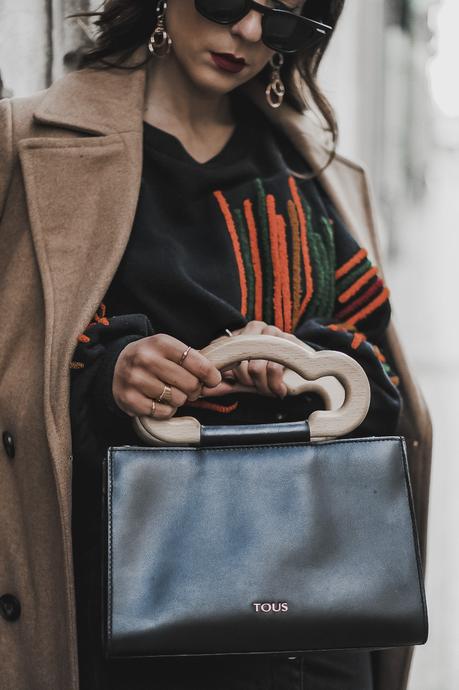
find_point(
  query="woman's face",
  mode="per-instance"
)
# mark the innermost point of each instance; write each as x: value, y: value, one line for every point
x: 195, y: 40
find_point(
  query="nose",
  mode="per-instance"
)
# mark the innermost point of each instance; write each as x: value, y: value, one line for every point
x: 249, y: 27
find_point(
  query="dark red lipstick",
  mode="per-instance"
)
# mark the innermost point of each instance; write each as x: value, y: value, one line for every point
x: 228, y: 62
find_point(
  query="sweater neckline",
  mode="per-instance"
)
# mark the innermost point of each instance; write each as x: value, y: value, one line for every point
x: 248, y: 120
x: 159, y: 140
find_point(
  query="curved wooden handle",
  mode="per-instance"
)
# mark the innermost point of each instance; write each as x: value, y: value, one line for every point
x: 311, y: 365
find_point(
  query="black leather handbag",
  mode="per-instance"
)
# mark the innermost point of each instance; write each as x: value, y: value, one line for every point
x: 262, y: 538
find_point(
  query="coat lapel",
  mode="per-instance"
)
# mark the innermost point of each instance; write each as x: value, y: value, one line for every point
x: 82, y: 193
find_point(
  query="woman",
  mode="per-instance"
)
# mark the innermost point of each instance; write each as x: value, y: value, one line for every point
x: 215, y: 224
x: 222, y: 229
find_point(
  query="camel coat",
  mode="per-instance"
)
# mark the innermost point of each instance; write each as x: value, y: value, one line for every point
x: 70, y: 170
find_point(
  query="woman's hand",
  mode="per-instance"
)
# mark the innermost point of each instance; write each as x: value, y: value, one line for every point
x: 257, y: 375
x: 146, y: 365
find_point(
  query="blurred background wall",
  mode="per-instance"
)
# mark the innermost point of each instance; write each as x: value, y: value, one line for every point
x: 391, y: 75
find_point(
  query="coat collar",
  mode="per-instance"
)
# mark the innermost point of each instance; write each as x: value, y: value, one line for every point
x: 96, y: 101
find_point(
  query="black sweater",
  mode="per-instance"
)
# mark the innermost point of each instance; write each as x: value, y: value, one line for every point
x: 217, y: 244
x: 214, y: 246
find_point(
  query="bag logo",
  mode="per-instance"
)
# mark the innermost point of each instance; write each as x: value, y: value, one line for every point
x: 267, y: 607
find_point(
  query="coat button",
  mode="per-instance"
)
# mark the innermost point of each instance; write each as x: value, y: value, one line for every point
x: 10, y: 607
x: 8, y: 442
x: 281, y: 416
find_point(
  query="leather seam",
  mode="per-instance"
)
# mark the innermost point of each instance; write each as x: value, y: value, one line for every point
x: 414, y: 532
x: 110, y: 547
x: 257, y: 447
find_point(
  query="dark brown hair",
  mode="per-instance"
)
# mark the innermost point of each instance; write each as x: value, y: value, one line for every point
x: 125, y: 25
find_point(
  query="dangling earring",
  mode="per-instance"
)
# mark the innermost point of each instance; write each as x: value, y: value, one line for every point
x: 275, y: 90
x: 160, y: 41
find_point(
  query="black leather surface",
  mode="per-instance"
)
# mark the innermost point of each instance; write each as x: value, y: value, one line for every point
x: 195, y: 536
x: 231, y: 435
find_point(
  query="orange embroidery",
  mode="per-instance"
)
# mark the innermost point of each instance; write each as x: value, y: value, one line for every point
x: 96, y: 319
x: 277, y: 300
x: 357, y: 340
x: 357, y: 285
x: 225, y: 409
x: 373, y: 289
x: 379, y: 354
x: 225, y: 209
x: 296, y: 256
x: 340, y: 327
x: 370, y: 308
x: 353, y: 261
x: 304, y: 244
x: 283, y: 256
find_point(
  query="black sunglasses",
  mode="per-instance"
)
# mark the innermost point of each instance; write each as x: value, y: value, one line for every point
x: 282, y: 30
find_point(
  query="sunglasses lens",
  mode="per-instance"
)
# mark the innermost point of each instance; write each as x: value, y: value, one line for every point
x: 282, y: 31
x: 288, y: 33
x: 223, y: 11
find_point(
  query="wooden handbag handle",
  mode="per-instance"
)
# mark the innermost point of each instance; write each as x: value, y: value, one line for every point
x: 311, y: 365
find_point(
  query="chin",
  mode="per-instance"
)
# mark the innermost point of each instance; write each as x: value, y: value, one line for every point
x: 208, y: 79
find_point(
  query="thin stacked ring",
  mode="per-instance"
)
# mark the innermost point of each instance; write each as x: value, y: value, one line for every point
x: 166, y: 395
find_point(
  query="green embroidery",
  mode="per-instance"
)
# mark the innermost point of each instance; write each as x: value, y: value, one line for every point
x: 247, y: 258
x: 322, y: 256
x: 265, y: 252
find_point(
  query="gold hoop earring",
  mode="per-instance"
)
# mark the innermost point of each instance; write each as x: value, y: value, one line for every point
x: 160, y: 41
x: 275, y: 90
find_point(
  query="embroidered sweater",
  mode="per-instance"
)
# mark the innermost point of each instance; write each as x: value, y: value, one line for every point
x: 217, y: 244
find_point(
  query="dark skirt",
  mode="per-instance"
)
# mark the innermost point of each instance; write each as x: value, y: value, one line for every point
x: 312, y: 671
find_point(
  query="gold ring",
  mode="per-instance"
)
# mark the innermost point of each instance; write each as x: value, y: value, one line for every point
x: 153, y: 408
x: 184, y: 354
x: 166, y: 395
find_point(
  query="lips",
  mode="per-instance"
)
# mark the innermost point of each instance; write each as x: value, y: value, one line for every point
x: 228, y: 62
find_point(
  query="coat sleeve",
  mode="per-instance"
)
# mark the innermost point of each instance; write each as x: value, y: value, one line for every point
x: 6, y: 150
x: 357, y: 327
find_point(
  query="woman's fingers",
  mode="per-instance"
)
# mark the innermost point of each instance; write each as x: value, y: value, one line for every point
x: 145, y: 366
x: 226, y: 388
x: 258, y: 374
x: 153, y: 362
x: 275, y: 378
x: 241, y: 371
x: 265, y: 375
x: 153, y: 388
x: 161, y: 358
x: 274, y: 370
x: 194, y: 362
x: 135, y: 404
